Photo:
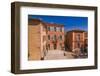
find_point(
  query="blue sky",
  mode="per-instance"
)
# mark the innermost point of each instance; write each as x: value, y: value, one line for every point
x: 69, y: 22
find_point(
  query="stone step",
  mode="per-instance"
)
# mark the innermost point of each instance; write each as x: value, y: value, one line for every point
x: 55, y: 54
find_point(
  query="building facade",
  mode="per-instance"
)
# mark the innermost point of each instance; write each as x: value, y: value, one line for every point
x: 55, y: 36
x: 76, y: 39
x: 36, y: 39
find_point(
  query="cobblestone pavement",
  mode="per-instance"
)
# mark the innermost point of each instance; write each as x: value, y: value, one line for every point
x: 58, y: 54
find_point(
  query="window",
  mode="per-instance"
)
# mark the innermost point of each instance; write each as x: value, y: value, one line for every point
x: 57, y: 28
x: 48, y: 37
x: 78, y: 45
x: 48, y: 28
x: 54, y: 28
x: 60, y: 37
x: 78, y: 37
x: 86, y: 35
x: 61, y: 29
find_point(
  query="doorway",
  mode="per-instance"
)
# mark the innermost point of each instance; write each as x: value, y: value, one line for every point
x: 55, y: 46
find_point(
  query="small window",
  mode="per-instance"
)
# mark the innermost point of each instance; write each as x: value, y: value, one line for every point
x: 54, y: 28
x: 48, y: 28
x: 78, y: 45
x: 60, y: 29
x: 49, y: 46
x: 60, y: 37
x: 78, y: 37
x: 86, y: 35
x: 48, y: 37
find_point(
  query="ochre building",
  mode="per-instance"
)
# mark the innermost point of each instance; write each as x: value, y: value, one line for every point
x: 36, y: 39
x: 75, y: 39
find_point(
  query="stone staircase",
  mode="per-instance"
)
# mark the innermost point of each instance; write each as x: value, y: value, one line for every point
x: 54, y: 55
